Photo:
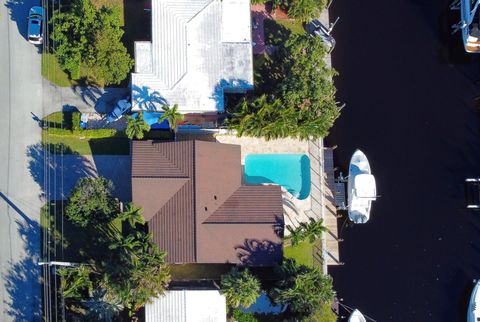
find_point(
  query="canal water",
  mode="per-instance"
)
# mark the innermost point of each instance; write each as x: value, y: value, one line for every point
x: 411, y: 107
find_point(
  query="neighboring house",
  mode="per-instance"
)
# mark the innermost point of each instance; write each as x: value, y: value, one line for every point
x: 187, y: 306
x: 197, y: 207
x: 199, y: 50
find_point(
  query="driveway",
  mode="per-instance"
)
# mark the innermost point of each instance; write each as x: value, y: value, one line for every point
x: 410, y: 94
x: 70, y: 168
x: 84, y: 99
x: 21, y: 99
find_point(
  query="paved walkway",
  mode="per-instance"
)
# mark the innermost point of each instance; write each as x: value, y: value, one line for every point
x: 84, y: 99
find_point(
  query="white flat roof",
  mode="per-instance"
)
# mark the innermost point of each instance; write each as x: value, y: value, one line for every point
x: 199, y: 49
x: 187, y: 306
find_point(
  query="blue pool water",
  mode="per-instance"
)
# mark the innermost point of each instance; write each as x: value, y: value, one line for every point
x: 292, y: 171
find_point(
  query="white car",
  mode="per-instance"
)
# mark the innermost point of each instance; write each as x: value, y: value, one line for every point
x: 35, y: 25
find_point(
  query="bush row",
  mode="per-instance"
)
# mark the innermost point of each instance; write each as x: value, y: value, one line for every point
x: 91, y: 134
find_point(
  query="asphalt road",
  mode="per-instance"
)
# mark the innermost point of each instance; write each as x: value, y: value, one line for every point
x: 20, y: 95
x: 410, y: 94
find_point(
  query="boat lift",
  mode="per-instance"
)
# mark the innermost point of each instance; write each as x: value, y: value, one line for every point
x: 469, y: 24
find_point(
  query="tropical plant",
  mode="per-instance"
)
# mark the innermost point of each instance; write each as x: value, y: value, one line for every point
x: 305, y: 10
x: 240, y: 288
x: 91, y: 202
x: 83, y: 34
x: 172, y: 115
x: 296, y: 235
x: 302, y: 289
x: 102, y: 307
x: 313, y: 229
x: 126, y: 269
x: 137, y: 127
x: 74, y: 281
x: 111, y: 61
x: 132, y: 214
x: 301, y: 103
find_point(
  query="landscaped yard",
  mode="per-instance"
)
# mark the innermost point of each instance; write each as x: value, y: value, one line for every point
x: 52, y: 71
x: 293, y: 25
x: 60, y: 138
x: 302, y: 253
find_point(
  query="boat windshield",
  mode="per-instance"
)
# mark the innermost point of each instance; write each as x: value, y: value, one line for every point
x: 364, y: 186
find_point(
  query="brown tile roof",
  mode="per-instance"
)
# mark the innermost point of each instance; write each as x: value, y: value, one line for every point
x: 197, y: 208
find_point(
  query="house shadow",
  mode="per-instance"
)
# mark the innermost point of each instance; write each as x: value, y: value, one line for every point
x: 56, y: 169
x: 147, y: 99
x: 18, y: 11
x: 118, y: 171
x: 22, y: 280
x: 230, y: 86
x: 255, y: 252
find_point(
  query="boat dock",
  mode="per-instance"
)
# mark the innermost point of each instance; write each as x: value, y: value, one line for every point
x: 333, y: 192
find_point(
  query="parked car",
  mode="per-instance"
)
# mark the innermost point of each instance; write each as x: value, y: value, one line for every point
x: 35, y: 25
x: 120, y: 108
x: 318, y: 29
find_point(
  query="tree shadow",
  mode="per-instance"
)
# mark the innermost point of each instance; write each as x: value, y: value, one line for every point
x: 146, y: 99
x: 22, y: 280
x: 256, y: 252
x: 18, y: 10
x: 101, y: 99
x: 47, y: 162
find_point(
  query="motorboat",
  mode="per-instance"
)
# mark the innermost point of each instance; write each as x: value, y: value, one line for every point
x: 473, y: 314
x: 356, y: 316
x: 469, y: 24
x: 361, y: 188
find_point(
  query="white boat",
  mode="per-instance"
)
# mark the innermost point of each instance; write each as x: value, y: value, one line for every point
x: 361, y: 188
x: 356, y: 316
x: 473, y: 314
x: 469, y: 23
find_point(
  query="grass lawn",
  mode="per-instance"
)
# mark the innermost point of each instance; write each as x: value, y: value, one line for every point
x: 302, y: 253
x: 52, y: 71
x: 293, y: 25
x: 76, y: 145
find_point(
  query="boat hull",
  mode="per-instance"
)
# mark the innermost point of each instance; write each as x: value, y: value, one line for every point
x: 359, y: 206
x: 356, y: 316
x: 473, y: 314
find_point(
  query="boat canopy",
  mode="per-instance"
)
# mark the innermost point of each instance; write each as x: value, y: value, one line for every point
x: 364, y: 186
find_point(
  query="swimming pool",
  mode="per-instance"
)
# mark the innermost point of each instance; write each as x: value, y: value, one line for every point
x: 292, y: 171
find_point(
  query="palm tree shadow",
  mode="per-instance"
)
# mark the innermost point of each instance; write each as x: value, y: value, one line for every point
x: 146, y: 99
x: 256, y: 252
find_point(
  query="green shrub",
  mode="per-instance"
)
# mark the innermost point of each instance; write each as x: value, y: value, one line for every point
x: 159, y: 135
x: 67, y: 120
x: 89, y: 134
x: 240, y: 316
x: 76, y: 121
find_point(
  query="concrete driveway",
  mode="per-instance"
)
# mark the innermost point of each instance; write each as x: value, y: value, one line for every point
x: 20, y: 100
x: 116, y: 168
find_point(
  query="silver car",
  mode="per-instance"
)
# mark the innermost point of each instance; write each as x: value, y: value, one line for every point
x: 35, y: 25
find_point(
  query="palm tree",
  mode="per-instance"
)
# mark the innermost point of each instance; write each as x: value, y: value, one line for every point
x: 296, y: 235
x: 137, y: 127
x: 240, y: 288
x: 313, y: 229
x: 172, y: 115
x: 132, y: 214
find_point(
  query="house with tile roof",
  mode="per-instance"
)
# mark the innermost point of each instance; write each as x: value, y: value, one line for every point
x: 199, y: 210
x: 199, y: 50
